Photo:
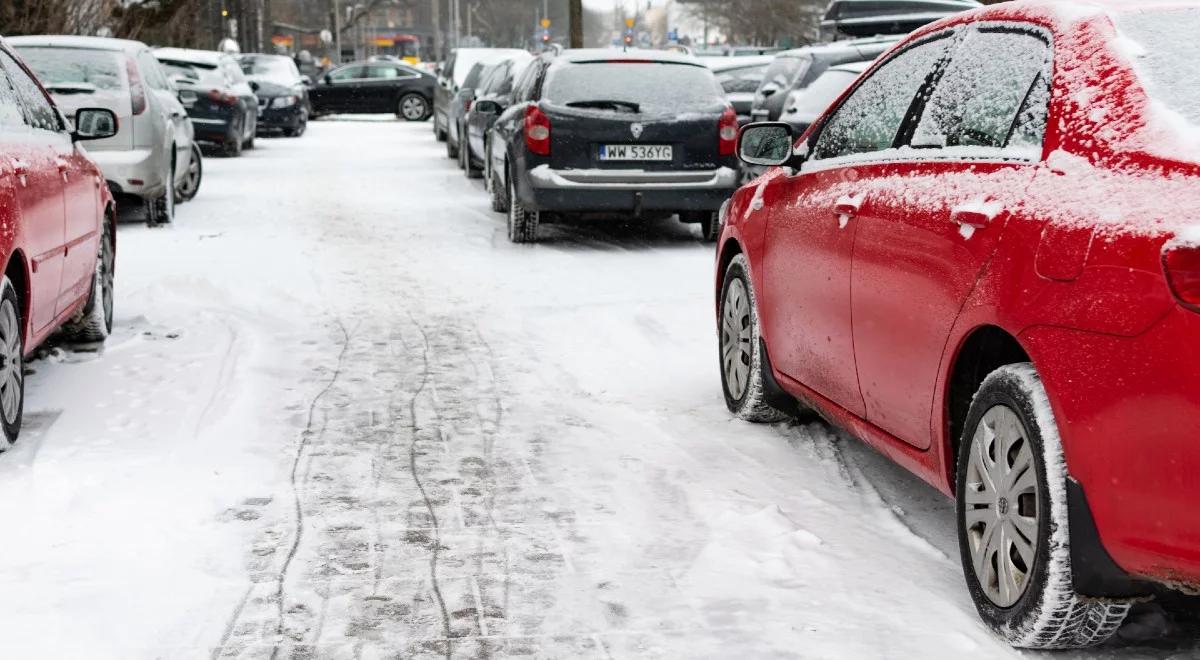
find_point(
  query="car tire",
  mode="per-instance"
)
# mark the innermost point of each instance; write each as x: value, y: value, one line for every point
x: 12, y: 365
x: 451, y: 148
x: 412, y: 107
x: 249, y: 144
x: 1027, y: 594
x: 161, y: 211
x: 93, y: 323
x: 438, y: 133
x: 190, y: 185
x: 499, y: 199
x: 465, y: 160
x: 522, y: 224
x: 298, y: 131
x: 709, y: 221
x: 739, y: 348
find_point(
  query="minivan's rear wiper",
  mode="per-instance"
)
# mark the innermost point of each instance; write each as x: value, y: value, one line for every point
x: 71, y: 88
x: 606, y: 103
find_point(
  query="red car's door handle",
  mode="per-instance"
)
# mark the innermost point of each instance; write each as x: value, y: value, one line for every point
x: 20, y: 169
x: 975, y: 215
x: 846, y: 207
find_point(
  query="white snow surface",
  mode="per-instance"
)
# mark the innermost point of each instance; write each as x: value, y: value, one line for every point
x: 342, y: 417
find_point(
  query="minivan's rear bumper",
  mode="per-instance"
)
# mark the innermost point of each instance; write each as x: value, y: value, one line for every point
x: 132, y: 171
x: 628, y: 190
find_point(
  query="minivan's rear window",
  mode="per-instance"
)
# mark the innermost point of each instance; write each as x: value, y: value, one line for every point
x: 101, y: 69
x: 654, y: 88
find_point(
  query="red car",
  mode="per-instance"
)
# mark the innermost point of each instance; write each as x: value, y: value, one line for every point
x: 984, y: 260
x: 57, y: 230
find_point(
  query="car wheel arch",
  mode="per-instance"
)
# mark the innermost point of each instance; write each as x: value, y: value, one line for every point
x: 981, y: 351
x: 17, y: 272
x: 730, y: 249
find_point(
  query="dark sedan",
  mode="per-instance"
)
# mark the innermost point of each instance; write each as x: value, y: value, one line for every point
x: 635, y: 135
x: 372, y: 88
x: 496, y: 85
x: 281, y: 91
x: 217, y: 96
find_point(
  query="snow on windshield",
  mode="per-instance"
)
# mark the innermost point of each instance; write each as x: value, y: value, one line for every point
x: 656, y: 88
x: 280, y: 69
x: 59, y: 66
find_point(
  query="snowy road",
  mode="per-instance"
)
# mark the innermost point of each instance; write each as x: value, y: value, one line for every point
x: 342, y: 417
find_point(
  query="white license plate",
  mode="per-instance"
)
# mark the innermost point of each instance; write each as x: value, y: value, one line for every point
x: 636, y: 152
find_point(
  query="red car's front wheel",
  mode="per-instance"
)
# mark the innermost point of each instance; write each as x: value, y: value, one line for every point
x: 740, y: 348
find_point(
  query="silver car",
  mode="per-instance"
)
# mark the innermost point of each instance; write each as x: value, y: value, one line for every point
x: 151, y: 154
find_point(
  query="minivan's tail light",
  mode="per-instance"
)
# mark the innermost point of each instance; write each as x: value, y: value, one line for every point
x: 537, y: 131
x: 1181, y: 262
x: 137, y: 91
x: 727, y: 133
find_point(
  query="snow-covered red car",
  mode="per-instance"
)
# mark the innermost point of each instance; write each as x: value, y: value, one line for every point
x: 57, y: 230
x: 984, y: 260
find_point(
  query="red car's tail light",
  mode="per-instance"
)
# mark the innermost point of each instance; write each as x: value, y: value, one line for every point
x: 1181, y: 262
x: 727, y: 133
x: 537, y: 131
x: 137, y: 91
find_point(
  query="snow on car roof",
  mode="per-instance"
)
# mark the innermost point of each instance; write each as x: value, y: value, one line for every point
x: 210, y: 58
x: 581, y: 55
x: 89, y: 43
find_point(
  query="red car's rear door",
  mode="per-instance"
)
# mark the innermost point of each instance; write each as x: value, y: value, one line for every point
x: 806, y: 313
x: 31, y: 162
x: 928, y: 228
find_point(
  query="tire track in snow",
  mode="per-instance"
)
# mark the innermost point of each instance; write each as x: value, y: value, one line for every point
x: 412, y: 466
x: 305, y: 437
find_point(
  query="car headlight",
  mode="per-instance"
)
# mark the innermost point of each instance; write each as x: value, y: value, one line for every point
x: 284, y: 101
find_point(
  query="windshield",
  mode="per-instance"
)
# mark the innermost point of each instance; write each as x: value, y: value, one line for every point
x: 869, y: 8
x: 195, y: 73
x: 645, y: 87
x: 101, y: 69
x: 1165, y: 50
x: 741, y: 80
x: 275, y: 69
x: 813, y: 100
x: 784, y: 70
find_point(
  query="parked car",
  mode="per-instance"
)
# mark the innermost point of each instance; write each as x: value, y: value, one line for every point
x: 804, y: 106
x: 797, y: 68
x: 740, y: 78
x: 282, y: 93
x: 969, y: 262
x: 152, y: 147
x: 59, y: 243
x: 374, y: 87
x: 447, y: 104
x: 603, y: 131
x: 863, y: 18
x: 218, y: 97
x: 496, y: 85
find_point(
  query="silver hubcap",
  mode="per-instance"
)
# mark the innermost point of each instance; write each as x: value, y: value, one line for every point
x: 736, y: 338
x: 412, y: 107
x: 105, y: 265
x: 11, y: 377
x: 1001, y: 506
x: 193, y: 176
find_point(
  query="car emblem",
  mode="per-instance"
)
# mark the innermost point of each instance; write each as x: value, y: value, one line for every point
x: 636, y: 128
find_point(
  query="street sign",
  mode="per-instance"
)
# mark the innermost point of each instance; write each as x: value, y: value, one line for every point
x: 545, y: 22
x: 629, y: 22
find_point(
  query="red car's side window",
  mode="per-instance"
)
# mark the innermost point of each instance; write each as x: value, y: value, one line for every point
x: 38, y: 109
x: 10, y: 106
x: 992, y: 94
x: 870, y: 119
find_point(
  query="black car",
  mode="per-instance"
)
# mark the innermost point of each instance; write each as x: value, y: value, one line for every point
x: 451, y: 77
x: 282, y: 93
x: 797, y: 68
x: 632, y: 134
x: 218, y: 98
x: 496, y: 85
x: 374, y: 87
x: 862, y: 18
